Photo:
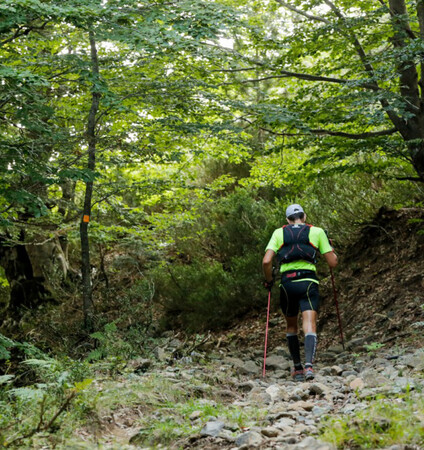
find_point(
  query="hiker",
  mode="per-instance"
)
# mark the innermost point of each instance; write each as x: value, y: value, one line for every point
x: 296, y: 246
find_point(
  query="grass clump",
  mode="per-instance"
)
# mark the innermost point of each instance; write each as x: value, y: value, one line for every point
x: 173, y: 421
x: 169, y: 407
x: 384, y: 423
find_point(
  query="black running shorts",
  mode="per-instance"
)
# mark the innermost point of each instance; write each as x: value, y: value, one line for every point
x: 297, y: 293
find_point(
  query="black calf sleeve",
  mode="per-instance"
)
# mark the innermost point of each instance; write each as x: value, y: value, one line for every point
x: 293, y: 343
x: 310, y: 348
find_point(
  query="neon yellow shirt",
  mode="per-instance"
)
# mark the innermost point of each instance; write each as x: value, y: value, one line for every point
x: 317, y: 237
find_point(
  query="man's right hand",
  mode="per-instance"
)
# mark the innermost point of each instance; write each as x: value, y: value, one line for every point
x: 331, y: 259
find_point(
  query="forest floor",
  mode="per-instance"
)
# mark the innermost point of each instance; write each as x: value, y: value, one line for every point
x: 358, y: 400
x: 210, y: 393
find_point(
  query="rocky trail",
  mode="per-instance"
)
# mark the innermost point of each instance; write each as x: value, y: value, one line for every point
x: 210, y: 394
x: 217, y: 398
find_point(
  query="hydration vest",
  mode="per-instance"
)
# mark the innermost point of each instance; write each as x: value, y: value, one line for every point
x: 297, y: 245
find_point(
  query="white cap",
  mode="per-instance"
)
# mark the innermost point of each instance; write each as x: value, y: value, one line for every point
x: 293, y: 209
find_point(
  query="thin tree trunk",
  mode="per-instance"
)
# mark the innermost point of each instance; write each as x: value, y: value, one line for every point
x: 420, y: 15
x: 87, y: 291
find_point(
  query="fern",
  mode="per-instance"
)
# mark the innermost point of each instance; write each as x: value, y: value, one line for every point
x: 26, y: 394
x: 43, y: 363
x: 5, y: 345
x: 110, y: 344
x: 95, y: 355
x: 99, y: 336
x: 4, y: 353
x: 4, y: 379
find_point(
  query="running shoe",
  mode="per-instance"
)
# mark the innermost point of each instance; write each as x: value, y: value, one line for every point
x: 298, y: 375
x: 309, y: 374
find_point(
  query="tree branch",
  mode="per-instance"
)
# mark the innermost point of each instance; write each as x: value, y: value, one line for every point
x: 364, y: 135
x: 17, y: 34
x: 358, y: 47
x: 321, y: 132
x: 421, y: 180
x: 233, y: 70
x: 60, y: 410
x: 42, y: 411
x: 397, y: 121
x: 5, y: 101
x: 235, y: 53
x: 308, y: 77
x: 303, y: 13
x: 21, y: 31
x: 407, y: 28
x: 304, y: 76
x: 41, y: 426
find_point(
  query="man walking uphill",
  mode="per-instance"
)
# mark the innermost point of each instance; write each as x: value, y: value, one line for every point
x: 296, y: 246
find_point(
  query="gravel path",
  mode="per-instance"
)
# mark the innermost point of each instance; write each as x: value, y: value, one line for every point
x: 289, y: 414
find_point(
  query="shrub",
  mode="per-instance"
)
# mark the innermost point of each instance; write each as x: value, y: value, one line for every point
x: 197, y: 296
x: 215, y: 271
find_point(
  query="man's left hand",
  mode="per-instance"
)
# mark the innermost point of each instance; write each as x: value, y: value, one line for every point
x: 268, y: 284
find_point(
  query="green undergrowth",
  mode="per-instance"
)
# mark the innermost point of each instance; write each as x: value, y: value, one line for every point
x: 385, y: 422
x: 172, y: 421
x: 57, y: 402
x: 170, y: 404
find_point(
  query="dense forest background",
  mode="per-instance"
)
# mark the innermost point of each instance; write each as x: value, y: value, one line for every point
x: 149, y: 149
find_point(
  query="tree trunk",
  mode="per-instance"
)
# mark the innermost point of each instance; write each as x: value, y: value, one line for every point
x: 413, y: 129
x: 87, y: 289
x: 416, y: 151
x: 30, y: 270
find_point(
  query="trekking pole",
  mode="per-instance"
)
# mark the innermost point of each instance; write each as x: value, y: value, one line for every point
x: 266, y: 332
x: 335, y: 296
x: 337, y: 307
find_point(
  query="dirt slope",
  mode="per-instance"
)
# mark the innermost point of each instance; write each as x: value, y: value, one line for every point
x: 380, y: 281
x: 380, y: 288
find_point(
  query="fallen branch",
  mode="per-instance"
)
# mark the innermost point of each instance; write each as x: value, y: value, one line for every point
x: 41, y: 425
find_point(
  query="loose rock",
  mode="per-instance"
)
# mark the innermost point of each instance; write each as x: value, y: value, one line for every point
x: 246, y: 386
x: 311, y: 443
x: 249, y: 438
x: 336, y: 370
x: 195, y: 415
x: 249, y: 368
x: 270, y: 432
x: 212, y: 428
x: 357, y: 383
x: 301, y: 405
x: 275, y: 362
x: 139, y: 364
